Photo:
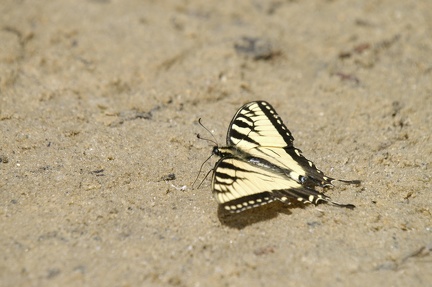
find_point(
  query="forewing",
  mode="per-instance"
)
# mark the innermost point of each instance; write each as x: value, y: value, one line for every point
x: 258, y: 124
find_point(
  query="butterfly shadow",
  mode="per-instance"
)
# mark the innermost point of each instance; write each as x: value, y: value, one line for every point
x: 254, y: 215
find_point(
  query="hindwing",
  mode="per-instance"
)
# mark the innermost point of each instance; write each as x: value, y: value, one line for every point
x: 239, y: 185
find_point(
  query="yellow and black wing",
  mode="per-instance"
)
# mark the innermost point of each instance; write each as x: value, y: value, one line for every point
x: 260, y: 163
x: 258, y: 131
x: 239, y: 185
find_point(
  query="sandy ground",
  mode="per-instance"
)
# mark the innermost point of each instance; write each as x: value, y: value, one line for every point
x: 99, y: 104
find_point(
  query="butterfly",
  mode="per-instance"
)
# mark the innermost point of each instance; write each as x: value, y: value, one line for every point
x: 260, y: 164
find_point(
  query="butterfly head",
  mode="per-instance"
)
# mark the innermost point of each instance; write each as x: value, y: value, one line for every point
x: 216, y: 151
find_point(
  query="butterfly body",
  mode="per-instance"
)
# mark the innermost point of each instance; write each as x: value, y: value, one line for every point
x: 260, y: 164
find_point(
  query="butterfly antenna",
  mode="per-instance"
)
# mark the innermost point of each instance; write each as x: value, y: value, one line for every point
x: 213, y: 141
x: 199, y: 172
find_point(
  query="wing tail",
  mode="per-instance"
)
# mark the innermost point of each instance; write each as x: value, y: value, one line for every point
x: 346, y: 182
x: 349, y: 206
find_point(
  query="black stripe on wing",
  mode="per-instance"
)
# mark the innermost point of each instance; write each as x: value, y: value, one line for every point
x: 235, y: 134
x: 303, y: 195
x: 248, y: 202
